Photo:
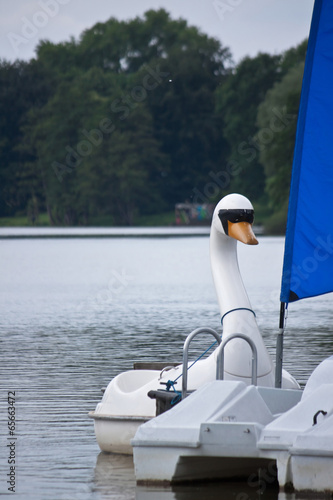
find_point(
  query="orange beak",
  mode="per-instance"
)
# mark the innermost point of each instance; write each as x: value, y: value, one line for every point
x: 242, y: 231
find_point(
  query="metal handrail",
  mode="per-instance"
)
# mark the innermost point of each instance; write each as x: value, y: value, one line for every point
x: 220, y: 357
x: 187, y: 342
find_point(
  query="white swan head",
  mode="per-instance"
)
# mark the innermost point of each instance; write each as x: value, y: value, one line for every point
x: 233, y: 218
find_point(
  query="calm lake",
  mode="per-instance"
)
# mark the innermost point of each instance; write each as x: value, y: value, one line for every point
x: 77, y: 310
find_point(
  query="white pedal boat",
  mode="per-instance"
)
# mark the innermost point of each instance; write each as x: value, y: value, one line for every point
x: 229, y: 430
x: 126, y: 405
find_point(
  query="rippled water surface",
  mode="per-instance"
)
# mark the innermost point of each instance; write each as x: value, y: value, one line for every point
x: 76, y: 311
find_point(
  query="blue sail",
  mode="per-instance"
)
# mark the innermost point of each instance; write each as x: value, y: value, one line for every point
x: 308, y: 258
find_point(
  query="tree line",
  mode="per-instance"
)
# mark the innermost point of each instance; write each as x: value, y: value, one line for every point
x: 138, y: 115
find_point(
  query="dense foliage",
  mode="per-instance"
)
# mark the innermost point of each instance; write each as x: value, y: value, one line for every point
x: 136, y: 116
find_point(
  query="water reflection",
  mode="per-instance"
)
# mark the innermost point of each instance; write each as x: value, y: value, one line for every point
x: 207, y: 491
x: 114, y: 479
x: 114, y: 475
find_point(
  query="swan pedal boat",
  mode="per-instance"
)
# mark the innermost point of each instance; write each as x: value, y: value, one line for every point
x: 221, y: 428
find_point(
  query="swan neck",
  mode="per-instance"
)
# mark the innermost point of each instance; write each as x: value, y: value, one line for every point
x: 230, y: 290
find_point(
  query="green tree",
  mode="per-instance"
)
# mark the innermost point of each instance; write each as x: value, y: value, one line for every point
x: 56, y: 137
x: 277, y: 114
x: 23, y: 87
x: 238, y: 99
x: 183, y: 109
x: 122, y: 170
x: 155, y: 68
x: 133, y: 117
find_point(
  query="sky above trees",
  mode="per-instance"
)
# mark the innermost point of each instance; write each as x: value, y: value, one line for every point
x: 246, y: 26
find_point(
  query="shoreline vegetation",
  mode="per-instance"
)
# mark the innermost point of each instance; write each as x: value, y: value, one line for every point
x: 119, y: 126
x: 159, y: 220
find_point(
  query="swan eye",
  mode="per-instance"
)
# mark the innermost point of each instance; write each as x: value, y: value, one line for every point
x: 234, y: 216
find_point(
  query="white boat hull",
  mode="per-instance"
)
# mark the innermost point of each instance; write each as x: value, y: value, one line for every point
x: 187, y: 466
x: 114, y: 433
x: 212, y: 434
x: 126, y: 405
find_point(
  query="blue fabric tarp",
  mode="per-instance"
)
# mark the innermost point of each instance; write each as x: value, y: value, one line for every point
x: 308, y: 259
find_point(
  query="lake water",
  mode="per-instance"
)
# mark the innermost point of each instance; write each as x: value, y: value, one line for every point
x: 75, y: 311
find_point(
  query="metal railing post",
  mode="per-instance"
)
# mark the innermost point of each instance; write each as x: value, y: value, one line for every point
x: 187, y: 342
x: 220, y: 357
x: 279, y: 347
